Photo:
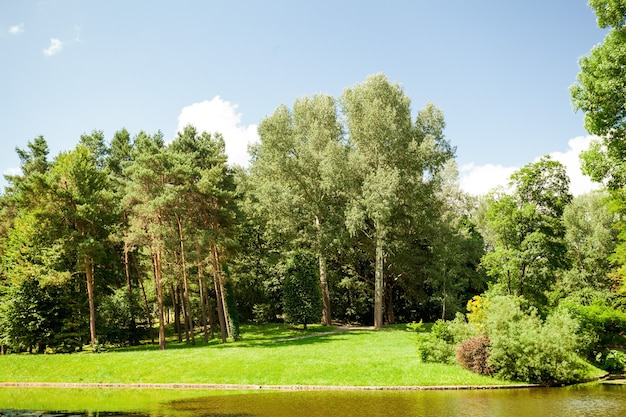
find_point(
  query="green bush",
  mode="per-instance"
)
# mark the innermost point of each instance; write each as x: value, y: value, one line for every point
x: 433, y: 349
x: 473, y: 354
x: 525, y: 348
x: 441, y: 330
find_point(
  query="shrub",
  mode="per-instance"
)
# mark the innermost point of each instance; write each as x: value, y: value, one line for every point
x: 461, y: 330
x: 441, y: 331
x: 415, y: 327
x: 473, y: 354
x: 433, y: 349
x: 524, y: 348
x: 476, y: 310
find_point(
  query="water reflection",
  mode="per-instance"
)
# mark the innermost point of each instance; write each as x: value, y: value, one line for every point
x: 584, y: 401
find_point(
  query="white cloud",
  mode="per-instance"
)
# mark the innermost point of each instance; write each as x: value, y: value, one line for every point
x: 55, y: 47
x: 17, y: 29
x: 219, y: 116
x: 579, y: 183
x: 12, y: 171
x: 478, y: 180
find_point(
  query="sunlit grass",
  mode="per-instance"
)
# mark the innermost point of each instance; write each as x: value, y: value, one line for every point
x: 262, y: 357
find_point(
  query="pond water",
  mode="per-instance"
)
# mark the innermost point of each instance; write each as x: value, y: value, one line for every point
x: 582, y: 401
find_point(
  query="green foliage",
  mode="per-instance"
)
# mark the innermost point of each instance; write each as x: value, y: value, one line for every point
x: 437, y: 345
x: 415, y: 327
x: 116, y: 315
x: 527, y: 233
x: 525, y: 348
x: 433, y: 349
x: 611, y: 360
x: 601, y: 94
x: 263, y: 313
x: 302, y: 298
x: 591, y: 238
x: 473, y: 354
x: 233, y: 313
x: 601, y: 323
x: 37, y: 318
x: 441, y: 331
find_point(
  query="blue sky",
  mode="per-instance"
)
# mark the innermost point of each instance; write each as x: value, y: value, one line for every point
x: 500, y: 70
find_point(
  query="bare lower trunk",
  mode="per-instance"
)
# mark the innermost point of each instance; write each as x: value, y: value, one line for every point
x: 186, y: 297
x: 326, y: 309
x: 210, y: 313
x: 219, y: 294
x: 379, y: 285
x: 145, y: 299
x: 156, y: 263
x: 89, y: 272
x: 390, y: 315
x: 176, y: 308
x: 203, y: 295
x: 129, y: 288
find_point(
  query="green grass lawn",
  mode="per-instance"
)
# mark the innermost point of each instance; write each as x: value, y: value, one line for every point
x: 358, y: 357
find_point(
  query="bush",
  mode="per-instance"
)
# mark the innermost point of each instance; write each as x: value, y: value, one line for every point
x: 524, y: 348
x: 441, y: 331
x: 432, y: 349
x: 473, y: 354
x: 461, y: 330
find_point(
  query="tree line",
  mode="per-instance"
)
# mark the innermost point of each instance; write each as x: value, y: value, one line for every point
x: 351, y: 206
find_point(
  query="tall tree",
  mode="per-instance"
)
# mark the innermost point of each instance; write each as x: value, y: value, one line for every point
x: 207, y: 205
x: 395, y: 164
x: 591, y: 238
x: 146, y: 178
x: 81, y: 198
x: 601, y: 94
x: 297, y: 159
x: 528, y: 233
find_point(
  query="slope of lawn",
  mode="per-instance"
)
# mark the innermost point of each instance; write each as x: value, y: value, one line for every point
x: 262, y: 357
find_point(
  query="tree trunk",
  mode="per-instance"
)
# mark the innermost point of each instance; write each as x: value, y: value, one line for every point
x: 219, y: 294
x: 205, y: 328
x: 89, y: 272
x: 210, y: 313
x: 133, y: 340
x: 176, y: 307
x: 390, y: 314
x: 156, y: 264
x: 186, y: 298
x: 326, y: 310
x: 378, y: 285
x: 145, y: 298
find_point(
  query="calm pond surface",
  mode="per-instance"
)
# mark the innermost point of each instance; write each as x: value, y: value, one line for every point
x: 585, y: 400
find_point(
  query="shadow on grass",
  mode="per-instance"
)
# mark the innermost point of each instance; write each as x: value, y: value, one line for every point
x: 267, y: 336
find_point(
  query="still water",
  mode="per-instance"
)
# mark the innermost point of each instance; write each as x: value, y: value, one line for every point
x: 587, y: 400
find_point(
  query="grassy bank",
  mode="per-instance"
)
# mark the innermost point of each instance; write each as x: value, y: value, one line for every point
x: 263, y: 357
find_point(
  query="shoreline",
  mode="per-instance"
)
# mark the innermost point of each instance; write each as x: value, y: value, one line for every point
x: 254, y: 387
